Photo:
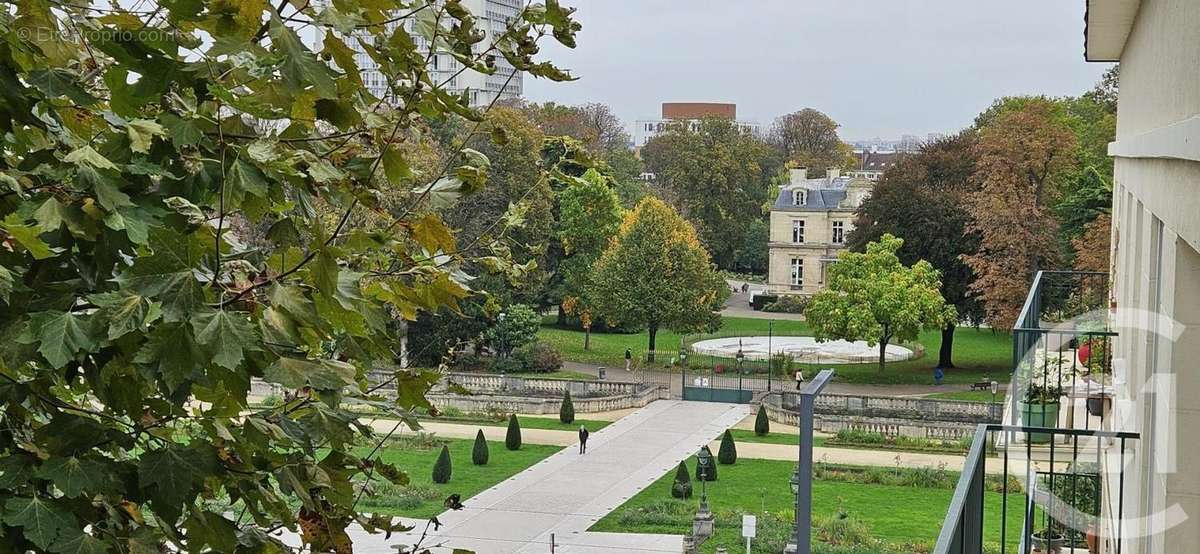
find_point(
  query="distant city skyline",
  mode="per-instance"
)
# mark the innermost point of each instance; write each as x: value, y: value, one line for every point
x: 880, y: 69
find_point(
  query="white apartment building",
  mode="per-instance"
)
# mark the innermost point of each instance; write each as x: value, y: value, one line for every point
x: 691, y: 113
x: 493, y: 17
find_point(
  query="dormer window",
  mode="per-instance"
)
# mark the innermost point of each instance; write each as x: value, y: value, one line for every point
x: 798, y: 197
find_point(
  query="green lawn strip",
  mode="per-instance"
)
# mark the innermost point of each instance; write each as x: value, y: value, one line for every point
x: 969, y: 396
x: 978, y: 353
x: 748, y: 436
x: 896, y: 514
x: 527, y: 422
x: 564, y: 375
x: 422, y: 498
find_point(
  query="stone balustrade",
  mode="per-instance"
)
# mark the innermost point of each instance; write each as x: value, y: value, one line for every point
x: 888, y: 416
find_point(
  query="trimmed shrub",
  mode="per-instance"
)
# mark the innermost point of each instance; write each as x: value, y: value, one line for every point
x: 682, y: 487
x: 538, y: 357
x: 512, y: 439
x: 728, y: 452
x: 441, y: 468
x: 479, y: 453
x: 788, y: 304
x: 710, y: 474
x: 762, y: 425
x: 566, y: 412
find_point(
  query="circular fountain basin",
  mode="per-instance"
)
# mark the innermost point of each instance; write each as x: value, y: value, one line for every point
x: 802, y: 349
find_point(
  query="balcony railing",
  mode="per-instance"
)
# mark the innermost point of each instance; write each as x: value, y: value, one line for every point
x: 1021, y: 500
x: 1062, y: 339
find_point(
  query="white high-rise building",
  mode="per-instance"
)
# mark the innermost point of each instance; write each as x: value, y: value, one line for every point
x: 493, y: 17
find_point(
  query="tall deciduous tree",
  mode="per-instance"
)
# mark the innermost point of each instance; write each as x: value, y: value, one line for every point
x: 809, y: 138
x: 718, y: 177
x: 134, y: 320
x: 589, y: 216
x: 923, y: 201
x: 656, y: 275
x: 872, y: 296
x: 1022, y: 150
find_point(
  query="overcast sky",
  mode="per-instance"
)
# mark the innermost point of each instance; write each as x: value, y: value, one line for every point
x: 878, y: 67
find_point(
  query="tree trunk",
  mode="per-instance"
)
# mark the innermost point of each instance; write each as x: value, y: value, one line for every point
x: 944, y: 354
x: 653, y: 333
x: 882, y: 353
x: 587, y: 337
x: 562, y: 316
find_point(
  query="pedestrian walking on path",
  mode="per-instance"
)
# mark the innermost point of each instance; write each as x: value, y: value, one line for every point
x: 583, y: 435
x: 628, y: 359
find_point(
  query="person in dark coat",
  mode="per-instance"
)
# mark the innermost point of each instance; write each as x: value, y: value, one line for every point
x: 583, y: 436
x: 628, y: 359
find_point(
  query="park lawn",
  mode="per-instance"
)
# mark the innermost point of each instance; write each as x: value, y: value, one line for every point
x: 566, y: 375
x: 978, y: 353
x: 896, y: 514
x: 526, y: 421
x: 969, y: 396
x: 423, y: 498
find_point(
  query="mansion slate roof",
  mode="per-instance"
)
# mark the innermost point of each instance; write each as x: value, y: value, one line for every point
x: 819, y: 199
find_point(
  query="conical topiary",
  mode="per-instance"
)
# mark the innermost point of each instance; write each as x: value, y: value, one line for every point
x: 682, y: 487
x: 566, y: 412
x: 512, y: 439
x: 441, y: 468
x: 711, y: 473
x: 728, y: 452
x: 479, y: 453
x: 762, y: 425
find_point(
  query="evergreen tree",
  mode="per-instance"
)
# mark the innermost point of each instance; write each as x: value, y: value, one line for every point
x: 682, y: 487
x: 728, y: 452
x: 566, y: 412
x: 479, y: 454
x: 512, y: 439
x: 441, y: 468
x: 762, y: 425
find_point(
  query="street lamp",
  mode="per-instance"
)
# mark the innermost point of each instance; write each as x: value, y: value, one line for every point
x: 503, y: 354
x: 703, y: 462
x: 995, y: 389
x: 740, y: 358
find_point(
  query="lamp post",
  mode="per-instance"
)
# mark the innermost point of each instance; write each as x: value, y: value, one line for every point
x: 770, y: 354
x: 503, y: 353
x: 682, y: 367
x: 740, y: 358
x: 702, y: 524
x: 995, y: 389
x: 703, y: 461
x: 801, y: 481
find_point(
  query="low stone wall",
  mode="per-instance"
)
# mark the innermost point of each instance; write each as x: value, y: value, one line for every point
x: 507, y: 403
x: 484, y: 383
x: 888, y: 416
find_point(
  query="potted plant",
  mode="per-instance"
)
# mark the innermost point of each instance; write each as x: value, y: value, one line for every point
x: 1099, y: 400
x: 1093, y: 540
x: 1040, y: 404
x: 1047, y: 541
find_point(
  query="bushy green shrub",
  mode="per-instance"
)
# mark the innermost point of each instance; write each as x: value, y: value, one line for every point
x: 538, y: 357
x: 272, y: 400
x: 566, y: 411
x: 682, y: 487
x: 479, y: 452
x: 441, y: 468
x: 788, y: 304
x: 518, y: 327
x: 506, y: 365
x: 512, y: 439
x: 728, y: 453
x: 762, y: 425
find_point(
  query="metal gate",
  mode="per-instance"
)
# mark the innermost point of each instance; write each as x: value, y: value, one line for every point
x: 715, y: 383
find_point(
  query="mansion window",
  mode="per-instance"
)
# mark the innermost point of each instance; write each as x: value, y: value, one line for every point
x: 798, y: 197
x: 839, y: 232
x: 797, y: 231
x: 797, y: 272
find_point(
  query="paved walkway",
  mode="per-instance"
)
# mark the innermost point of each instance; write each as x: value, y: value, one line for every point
x: 566, y: 493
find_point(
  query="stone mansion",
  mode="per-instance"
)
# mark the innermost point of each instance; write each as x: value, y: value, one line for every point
x: 809, y: 224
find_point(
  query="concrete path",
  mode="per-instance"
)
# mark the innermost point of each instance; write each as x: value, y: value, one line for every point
x: 567, y: 493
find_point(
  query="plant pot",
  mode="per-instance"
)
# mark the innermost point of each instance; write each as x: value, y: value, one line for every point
x: 1047, y: 543
x: 1039, y: 415
x: 1098, y: 405
x: 1093, y: 541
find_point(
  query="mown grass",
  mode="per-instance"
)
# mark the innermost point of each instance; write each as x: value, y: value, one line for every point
x: 978, y: 353
x: 969, y: 396
x: 906, y: 518
x: 422, y: 498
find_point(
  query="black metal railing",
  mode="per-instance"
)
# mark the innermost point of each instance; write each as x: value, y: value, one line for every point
x: 1062, y: 339
x: 1055, y: 500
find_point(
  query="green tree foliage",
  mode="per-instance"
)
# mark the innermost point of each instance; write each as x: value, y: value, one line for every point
x: 589, y: 216
x: 442, y: 468
x: 872, y: 296
x: 512, y: 438
x: 727, y: 454
x: 515, y: 327
x: 656, y: 274
x: 718, y: 177
x: 809, y: 138
x: 762, y: 425
x: 566, y: 410
x: 681, y: 487
x: 753, y: 255
x: 923, y: 199
x: 479, y: 452
x: 184, y: 199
